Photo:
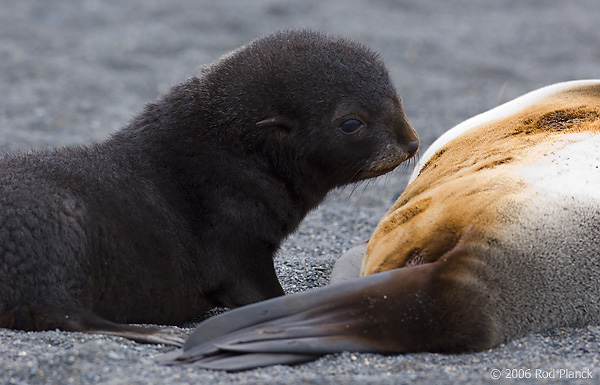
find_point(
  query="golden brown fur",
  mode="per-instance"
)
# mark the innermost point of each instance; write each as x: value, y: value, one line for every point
x: 478, y: 170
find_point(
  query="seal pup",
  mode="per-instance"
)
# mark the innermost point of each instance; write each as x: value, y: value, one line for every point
x: 183, y: 209
x: 496, y: 236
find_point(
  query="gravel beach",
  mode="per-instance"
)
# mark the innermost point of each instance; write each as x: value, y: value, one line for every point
x: 73, y: 72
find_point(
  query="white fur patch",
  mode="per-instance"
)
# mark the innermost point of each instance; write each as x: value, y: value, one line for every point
x: 499, y: 112
x: 572, y: 171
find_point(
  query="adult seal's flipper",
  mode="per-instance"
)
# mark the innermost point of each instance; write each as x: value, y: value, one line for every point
x: 359, y: 315
x: 285, y: 330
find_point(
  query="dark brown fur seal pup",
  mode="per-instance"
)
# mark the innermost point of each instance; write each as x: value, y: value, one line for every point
x: 495, y: 237
x: 183, y: 209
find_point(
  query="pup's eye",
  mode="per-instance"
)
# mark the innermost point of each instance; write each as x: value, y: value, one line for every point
x: 351, y: 126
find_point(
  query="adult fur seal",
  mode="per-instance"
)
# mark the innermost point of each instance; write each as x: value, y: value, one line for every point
x: 495, y: 237
x: 183, y: 209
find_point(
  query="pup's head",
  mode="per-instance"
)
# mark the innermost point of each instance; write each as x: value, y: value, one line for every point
x: 322, y: 107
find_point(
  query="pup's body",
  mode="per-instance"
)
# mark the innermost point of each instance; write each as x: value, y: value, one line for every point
x: 183, y: 209
x: 495, y: 237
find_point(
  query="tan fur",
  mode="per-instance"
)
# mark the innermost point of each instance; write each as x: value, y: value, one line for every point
x: 472, y: 182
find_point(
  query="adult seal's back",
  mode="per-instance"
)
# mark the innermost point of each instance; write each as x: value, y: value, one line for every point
x: 183, y: 209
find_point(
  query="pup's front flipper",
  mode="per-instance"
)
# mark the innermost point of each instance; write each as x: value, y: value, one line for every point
x: 49, y: 318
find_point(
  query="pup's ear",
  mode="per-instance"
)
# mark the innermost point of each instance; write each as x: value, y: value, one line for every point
x: 279, y: 121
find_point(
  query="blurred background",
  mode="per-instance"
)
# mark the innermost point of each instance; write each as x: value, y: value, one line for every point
x: 72, y: 71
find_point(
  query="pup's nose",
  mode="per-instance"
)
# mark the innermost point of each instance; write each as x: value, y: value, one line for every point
x: 408, y: 138
x: 412, y: 147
